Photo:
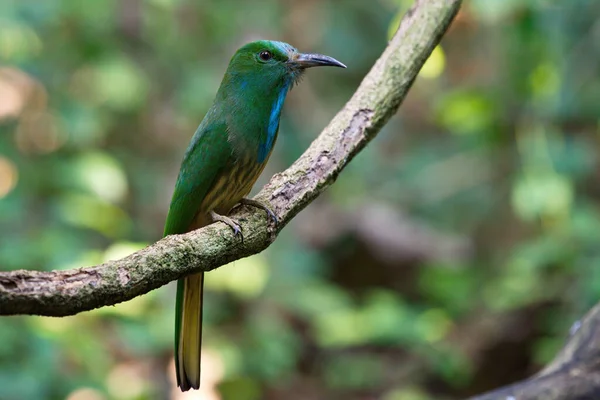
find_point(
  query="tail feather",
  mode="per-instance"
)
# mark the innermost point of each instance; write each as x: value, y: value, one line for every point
x: 188, y: 331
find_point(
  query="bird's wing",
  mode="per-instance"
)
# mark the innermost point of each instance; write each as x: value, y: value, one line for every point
x: 208, y: 153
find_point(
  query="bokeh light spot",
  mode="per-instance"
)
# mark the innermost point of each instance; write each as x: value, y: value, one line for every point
x: 245, y: 278
x: 86, y: 394
x: 102, y: 175
x: 435, y: 64
x: 39, y: 132
x: 434, y: 324
x: 542, y: 195
x: 18, y: 42
x: 544, y: 81
x: 16, y: 90
x: 126, y: 381
x: 8, y: 176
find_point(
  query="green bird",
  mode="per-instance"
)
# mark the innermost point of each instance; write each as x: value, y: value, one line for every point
x: 223, y: 160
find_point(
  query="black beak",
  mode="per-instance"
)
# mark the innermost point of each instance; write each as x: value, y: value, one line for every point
x: 316, y: 60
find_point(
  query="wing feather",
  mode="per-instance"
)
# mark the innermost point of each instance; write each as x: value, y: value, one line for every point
x: 208, y: 153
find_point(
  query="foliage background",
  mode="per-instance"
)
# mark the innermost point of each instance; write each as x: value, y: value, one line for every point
x: 451, y: 256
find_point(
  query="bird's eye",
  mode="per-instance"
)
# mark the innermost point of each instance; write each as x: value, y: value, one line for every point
x: 265, y: 55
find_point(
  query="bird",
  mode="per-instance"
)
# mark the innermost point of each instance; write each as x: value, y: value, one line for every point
x: 225, y: 157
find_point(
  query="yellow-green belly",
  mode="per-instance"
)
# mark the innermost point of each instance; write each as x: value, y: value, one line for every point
x: 230, y: 187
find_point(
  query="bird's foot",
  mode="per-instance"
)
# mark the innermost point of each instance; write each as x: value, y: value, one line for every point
x: 237, y: 230
x: 258, y: 204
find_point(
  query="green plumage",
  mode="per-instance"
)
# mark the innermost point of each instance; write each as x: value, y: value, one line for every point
x: 225, y: 157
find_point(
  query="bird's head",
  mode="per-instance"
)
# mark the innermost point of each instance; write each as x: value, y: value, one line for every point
x: 274, y: 63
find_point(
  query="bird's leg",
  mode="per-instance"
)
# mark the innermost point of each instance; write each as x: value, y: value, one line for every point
x: 237, y: 230
x: 258, y: 204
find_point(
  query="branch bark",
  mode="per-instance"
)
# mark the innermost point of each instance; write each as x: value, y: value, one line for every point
x: 60, y: 293
x: 574, y: 374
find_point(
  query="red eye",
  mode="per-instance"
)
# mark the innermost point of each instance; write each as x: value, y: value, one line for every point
x: 265, y: 55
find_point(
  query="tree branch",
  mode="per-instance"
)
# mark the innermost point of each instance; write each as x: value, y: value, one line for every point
x: 573, y: 374
x: 59, y: 293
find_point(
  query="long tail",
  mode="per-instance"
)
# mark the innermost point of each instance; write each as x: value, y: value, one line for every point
x: 188, y: 331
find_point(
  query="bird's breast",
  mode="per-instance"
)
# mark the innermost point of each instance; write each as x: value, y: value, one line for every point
x: 232, y: 185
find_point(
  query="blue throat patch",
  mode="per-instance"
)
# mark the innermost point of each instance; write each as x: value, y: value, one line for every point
x: 267, y: 145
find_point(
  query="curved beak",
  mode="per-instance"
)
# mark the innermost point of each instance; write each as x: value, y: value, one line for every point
x: 308, y: 60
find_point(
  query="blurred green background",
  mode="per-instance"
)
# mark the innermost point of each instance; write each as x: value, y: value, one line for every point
x: 450, y: 257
